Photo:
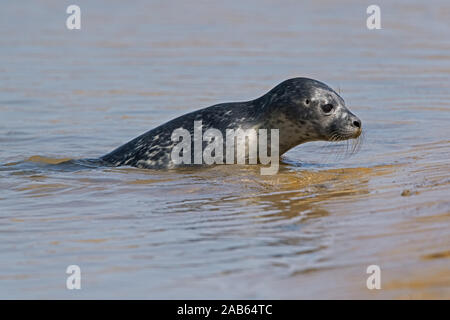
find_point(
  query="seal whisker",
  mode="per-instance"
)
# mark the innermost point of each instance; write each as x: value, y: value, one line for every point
x: 360, y: 141
x: 336, y: 147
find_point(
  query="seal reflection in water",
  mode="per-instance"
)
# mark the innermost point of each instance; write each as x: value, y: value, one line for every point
x: 301, y: 109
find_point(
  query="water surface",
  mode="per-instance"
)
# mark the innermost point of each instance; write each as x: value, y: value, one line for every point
x: 222, y: 232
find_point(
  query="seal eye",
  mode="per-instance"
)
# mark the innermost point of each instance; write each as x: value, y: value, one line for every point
x: 307, y: 101
x: 327, y: 108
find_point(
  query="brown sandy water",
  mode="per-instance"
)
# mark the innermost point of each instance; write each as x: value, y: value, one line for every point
x: 222, y: 232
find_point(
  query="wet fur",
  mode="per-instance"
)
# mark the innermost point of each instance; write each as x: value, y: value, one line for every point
x: 292, y: 107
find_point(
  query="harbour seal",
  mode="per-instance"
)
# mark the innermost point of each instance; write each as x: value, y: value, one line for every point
x: 302, y: 109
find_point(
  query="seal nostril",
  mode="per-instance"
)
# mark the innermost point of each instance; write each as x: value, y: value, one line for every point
x: 357, y: 124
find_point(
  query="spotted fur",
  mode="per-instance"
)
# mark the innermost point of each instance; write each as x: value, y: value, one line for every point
x: 293, y: 107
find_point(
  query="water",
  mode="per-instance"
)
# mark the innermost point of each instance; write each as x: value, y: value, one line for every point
x: 223, y: 232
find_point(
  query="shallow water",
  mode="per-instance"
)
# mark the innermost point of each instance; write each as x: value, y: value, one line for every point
x: 222, y: 232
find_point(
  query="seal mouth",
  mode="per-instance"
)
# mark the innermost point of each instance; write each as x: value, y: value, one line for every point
x: 356, y: 137
x: 357, y: 133
x: 344, y: 135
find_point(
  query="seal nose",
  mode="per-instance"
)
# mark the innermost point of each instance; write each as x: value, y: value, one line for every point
x: 357, y: 123
x: 354, y: 120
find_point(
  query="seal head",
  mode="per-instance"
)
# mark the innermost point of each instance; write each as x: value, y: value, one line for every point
x: 308, y: 110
